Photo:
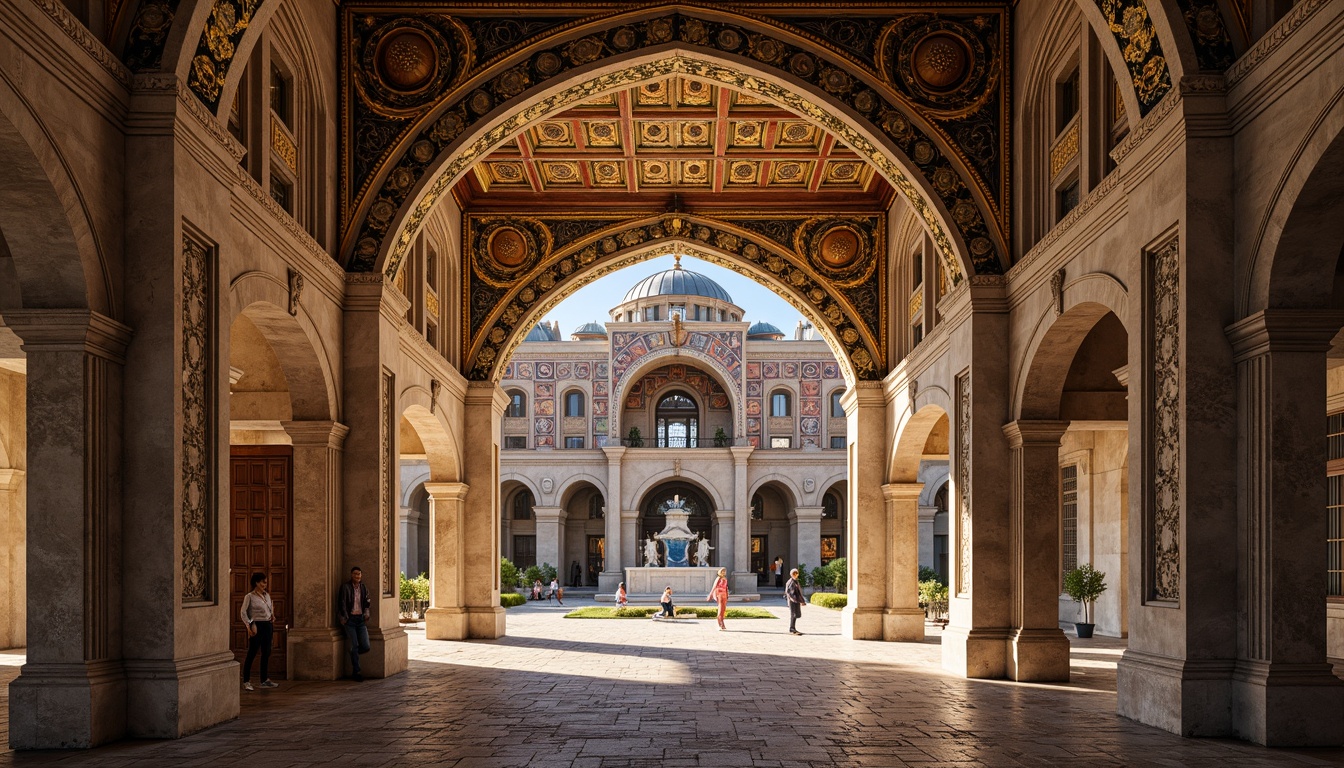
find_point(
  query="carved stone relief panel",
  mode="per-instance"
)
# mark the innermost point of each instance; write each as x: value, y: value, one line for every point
x: 1163, y: 422
x: 386, y: 500
x: 198, y: 413
x: 963, y: 488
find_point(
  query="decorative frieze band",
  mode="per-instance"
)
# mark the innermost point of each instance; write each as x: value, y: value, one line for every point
x: 963, y: 483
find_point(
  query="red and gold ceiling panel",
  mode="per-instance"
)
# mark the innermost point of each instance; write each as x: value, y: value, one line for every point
x: 674, y: 136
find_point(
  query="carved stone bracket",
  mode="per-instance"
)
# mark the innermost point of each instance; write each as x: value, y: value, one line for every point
x: 295, y: 291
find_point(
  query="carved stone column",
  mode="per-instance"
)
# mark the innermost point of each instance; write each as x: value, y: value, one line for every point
x: 874, y: 546
x: 13, y: 606
x: 1283, y: 690
x: 548, y: 538
x: 316, y: 644
x: 612, y: 574
x: 72, y: 690
x: 446, y: 618
x: 631, y: 552
x: 902, y: 618
x: 1037, y: 648
x: 807, y: 535
x: 483, y: 412
x: 927, y: 557
x: 738, y: 560
x: 370, y: 480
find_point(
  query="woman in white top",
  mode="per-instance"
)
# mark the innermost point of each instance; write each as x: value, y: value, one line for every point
x: 258, y: 613
x: 556, y: 592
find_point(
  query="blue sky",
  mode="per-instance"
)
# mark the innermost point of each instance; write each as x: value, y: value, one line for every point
x: 591, y: 302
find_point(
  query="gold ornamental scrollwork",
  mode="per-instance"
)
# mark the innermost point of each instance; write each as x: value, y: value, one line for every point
x: 836, y: 248
x: 504, y: 248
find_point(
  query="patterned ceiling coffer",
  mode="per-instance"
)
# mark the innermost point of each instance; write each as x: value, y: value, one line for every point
x: 219, y: 43
x: 1213, y: 45
x: 1142, y: 51
x: 149, y: 34
x: 833, y: 269
x: 385, y: 158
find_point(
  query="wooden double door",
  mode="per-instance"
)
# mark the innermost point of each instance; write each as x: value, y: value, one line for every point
x: 261, y: 529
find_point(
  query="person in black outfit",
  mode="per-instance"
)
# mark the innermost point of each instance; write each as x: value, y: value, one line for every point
x: 793, y: 592
x: 352, y: 608
x: 575, y: 573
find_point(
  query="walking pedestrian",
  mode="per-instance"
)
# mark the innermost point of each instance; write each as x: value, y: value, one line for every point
x: 719, y: 593
x: 258, y: 613
x: 793, y: 592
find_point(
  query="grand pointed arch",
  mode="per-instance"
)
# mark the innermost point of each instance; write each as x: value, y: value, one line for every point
x: 666, y: 356
x: 851, y: 314
x: 390, y: 189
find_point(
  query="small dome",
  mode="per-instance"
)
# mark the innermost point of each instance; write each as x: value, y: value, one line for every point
x: 590, y: 331
x: 542, y: 332
x: 764, y: 331
x: 677, y: 282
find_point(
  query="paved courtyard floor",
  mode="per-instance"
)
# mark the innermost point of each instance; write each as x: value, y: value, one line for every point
x: 625, y: 693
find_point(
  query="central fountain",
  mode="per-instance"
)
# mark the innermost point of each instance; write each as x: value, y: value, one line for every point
x: 676, y: 534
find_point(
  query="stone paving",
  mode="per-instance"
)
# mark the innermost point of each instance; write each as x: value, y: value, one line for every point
x: 629, y: 693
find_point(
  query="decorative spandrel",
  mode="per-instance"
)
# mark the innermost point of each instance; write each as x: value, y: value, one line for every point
x: 834, y: 272
x: 1142, y: 51
x: 429, y: 143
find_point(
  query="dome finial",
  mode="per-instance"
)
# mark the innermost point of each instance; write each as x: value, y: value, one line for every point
x: 676, y: 261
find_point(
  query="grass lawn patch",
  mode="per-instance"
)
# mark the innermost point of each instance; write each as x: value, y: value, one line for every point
x: 645, y: 611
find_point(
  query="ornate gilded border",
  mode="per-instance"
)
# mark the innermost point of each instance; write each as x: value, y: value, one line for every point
x: 495, y: 318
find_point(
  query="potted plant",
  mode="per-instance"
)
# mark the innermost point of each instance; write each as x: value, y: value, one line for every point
x: 635, y: 439
x: 720, y: 438
x: 1085, y: 584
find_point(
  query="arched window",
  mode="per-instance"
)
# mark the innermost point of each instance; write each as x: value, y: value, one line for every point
x: 678, y: 421
x: 596, y: 507
x: 780, y: 403
x: 837, y: 410
x: 831, y: 506
x: 522, y: 505
x: 757, y: 507
x: 517, y: 404
x: 574, y: 403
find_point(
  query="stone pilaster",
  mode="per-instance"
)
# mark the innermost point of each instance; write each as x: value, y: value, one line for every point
x: 483, y: 412
x: 726, y: 520
x: 13, y: 526
x: 371, y: 474
x: 612, y: 575
x: 316, y: 644
x: 902, y: 618
x: 806, y: 535
x: 927, y: 557
x: 72, y: 690
x: 1283, y: 690
x: 1037, y: 648
x: 549, y: 538
x: 446, y: 618
x: 739, y: 559
x: 631, y: 553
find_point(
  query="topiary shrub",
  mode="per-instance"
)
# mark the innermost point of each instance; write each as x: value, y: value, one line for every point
x: 831, y: 600
x: 508, y: 573
x: 511, y: 599
x: 531, y: 575
x: 548, y: 574
x: 839, y: 568
x: 928, y: 574
x: 821, y: 577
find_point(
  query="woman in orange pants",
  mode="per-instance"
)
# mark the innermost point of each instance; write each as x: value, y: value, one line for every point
x: 720, y: 594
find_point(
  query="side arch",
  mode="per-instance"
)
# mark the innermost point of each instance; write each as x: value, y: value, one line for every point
x: 570, y: 483
x: 795, y: 493
x: 687, y: 476
x: 1086, y: 300
x: 441, y: 451
x: 261, y: 296
x: 911, y: 437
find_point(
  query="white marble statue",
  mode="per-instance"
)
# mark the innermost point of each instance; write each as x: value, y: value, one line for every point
x: 651, y: 552
x: 702, y: 549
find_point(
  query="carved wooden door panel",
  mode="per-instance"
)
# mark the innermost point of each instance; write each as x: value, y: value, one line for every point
x: 260, y: 539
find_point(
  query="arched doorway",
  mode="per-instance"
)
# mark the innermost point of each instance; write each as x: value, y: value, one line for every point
x: 653, y: 510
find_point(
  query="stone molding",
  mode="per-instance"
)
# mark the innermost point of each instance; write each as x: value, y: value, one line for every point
x: 447, y: 491
x: 85, y: 39
x: 301, y: 237
x: 1273, y: 39
x: 10, y: 479
x: 314, y: 434
x: 893, y: 492
x: 69, y: 330
x: 1283, y: 330
x: 1146, y: 126
x: 1034, y: 433
x: 1094, y: 198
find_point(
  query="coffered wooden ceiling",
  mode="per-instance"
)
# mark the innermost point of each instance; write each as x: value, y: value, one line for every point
x: 703, y: 144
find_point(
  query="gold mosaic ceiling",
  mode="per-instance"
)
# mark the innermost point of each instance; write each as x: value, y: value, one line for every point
x: 675, y: 136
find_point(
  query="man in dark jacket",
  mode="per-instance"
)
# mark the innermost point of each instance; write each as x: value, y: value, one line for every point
x: 352, y: 608
x: 793, y: 592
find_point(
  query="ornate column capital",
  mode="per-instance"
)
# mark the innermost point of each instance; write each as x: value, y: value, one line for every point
x: 547, y: 514
x: 902, y: 491
x: 486, y: 393
x: 1284, y: 330
x: 315, y: 434
x: 808, y: 514
x: 1034, y: 433
x: 10, y: 479
x: 70, y: 330
x: 446, y: 491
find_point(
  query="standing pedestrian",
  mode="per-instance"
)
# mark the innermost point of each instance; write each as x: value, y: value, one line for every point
x: 719, y: 593
x: 793, y: 592
x: 779, y: 571
x: 352, y: 608
x: 258, y: 613
x: 575, y: 573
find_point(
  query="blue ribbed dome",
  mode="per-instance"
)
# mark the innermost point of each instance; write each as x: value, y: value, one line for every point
x: 677, y: 282
x: 763, y: 329
x: 591, y: 329
x: 540, y: 332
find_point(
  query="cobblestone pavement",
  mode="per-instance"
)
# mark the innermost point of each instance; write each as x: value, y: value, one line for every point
x: 608, y: 694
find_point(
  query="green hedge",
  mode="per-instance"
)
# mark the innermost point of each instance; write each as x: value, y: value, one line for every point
x: 834, y: 601
x: 511, y: 599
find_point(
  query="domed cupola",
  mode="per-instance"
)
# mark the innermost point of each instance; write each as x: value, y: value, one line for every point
x: 764, y: 332
x: 676, y: 291
x: 590, y: 332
